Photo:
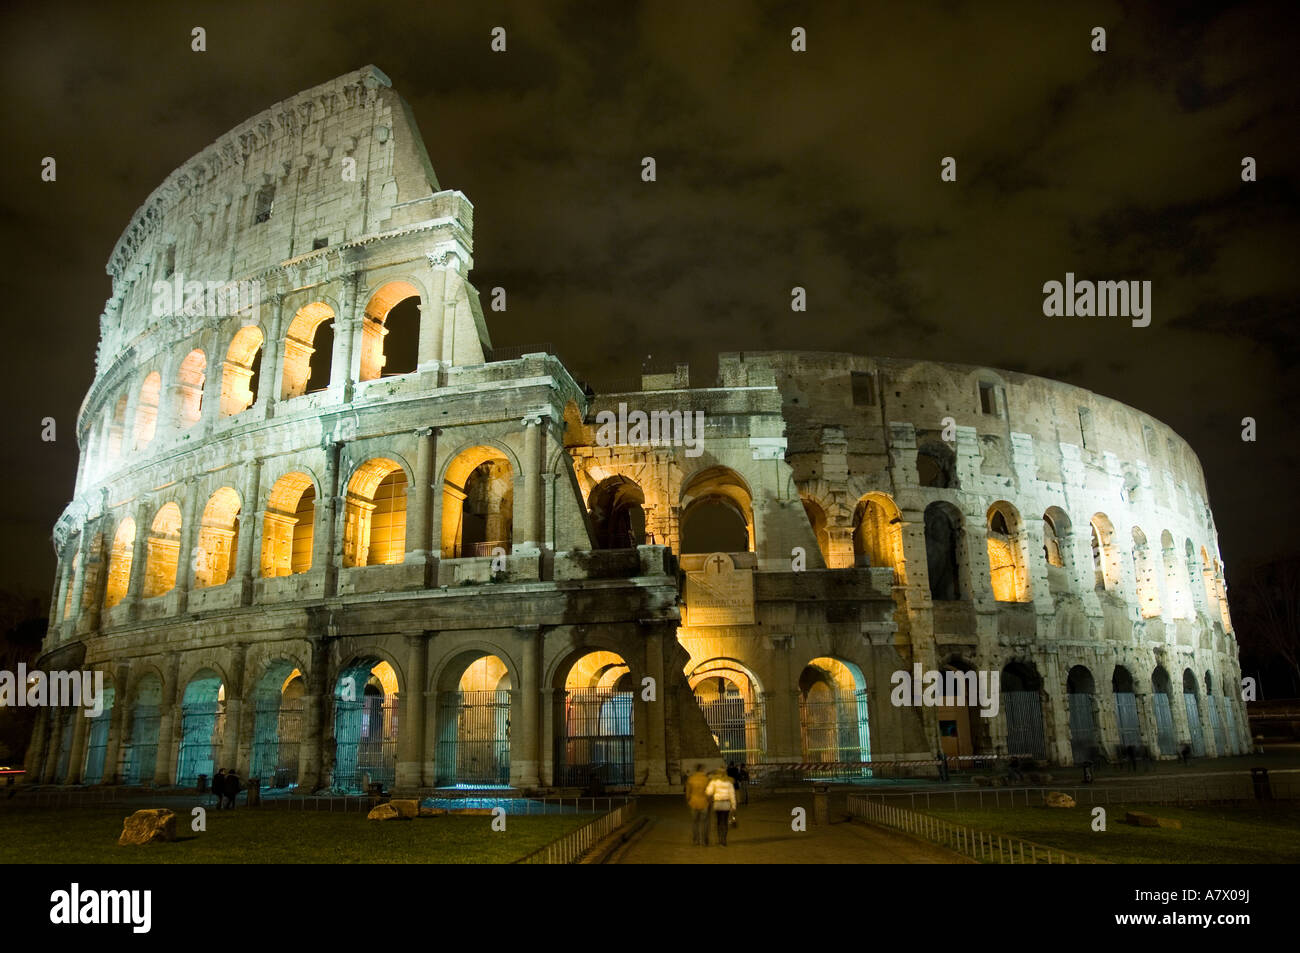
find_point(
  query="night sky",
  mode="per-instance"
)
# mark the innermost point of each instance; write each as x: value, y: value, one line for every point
x: 775, y: 169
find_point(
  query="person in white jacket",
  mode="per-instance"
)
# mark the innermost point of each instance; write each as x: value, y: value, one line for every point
x: 723, y: 794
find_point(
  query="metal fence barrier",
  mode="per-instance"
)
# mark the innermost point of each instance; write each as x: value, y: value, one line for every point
x: 978, y: 845
x: 572, y: 846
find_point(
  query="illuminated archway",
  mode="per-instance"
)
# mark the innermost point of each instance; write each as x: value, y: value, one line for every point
x: 1021, y: 702
x: 717, y: 513
x: 119, y: 563
x: 617, y: 514
x: 163, y: 551
x: 97, y: 737
x: 239, y: 375
x: 833, y: 716
x: 477, y: 504
x: 391, y: 311
x: 878, y: 534
x: 141, y: 757
x: 277, y: 725
x: 474, y: 723
x: 190, y: 381
x: 375, y: 529
x: 599, y: 742
x: 203, y: 727
x: 1008, y: 574
x: 146, y: 410
x: 733, y: 708
x: 288, y: 526
x: 300, y: 370
x: 214, y: 562
x: 365, y: 726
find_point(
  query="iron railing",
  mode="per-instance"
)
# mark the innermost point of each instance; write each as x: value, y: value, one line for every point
x: 571, y: 847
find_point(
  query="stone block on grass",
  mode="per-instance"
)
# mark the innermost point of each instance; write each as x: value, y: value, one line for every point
x: 152, y: 826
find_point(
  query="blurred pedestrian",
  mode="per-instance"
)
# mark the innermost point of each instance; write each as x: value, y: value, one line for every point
x: 219, y: 786
x: 232, y: 788
x: 744, y: 783
x: 699, y: 802
x: 722, y: 792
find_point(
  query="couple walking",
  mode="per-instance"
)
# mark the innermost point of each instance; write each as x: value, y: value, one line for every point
x: 710, y: 794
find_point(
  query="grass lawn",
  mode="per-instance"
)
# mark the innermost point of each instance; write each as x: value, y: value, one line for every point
x: 1210, y: 835
x: 89, y: 836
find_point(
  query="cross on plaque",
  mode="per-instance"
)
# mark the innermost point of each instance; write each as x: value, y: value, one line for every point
x: 717, y: 563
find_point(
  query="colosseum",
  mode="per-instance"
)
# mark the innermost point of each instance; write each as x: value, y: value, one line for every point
x: 292, y: 557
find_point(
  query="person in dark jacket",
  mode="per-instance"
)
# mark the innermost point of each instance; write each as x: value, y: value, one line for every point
x: 219, y: 787
x: 232, y: 788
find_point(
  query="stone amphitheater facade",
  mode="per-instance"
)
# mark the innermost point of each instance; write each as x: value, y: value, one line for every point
x: 290, y: 558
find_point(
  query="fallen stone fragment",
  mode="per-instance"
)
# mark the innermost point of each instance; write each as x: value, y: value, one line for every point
x: 149, y: 826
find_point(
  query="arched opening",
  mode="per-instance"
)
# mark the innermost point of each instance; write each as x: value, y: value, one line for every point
x: 1160, y: 691
x: 302, y: 369
x: 119, y: 563
x: 239, y: 375
x: 478, y: 504
x: 97, y: 738
x: 617, y: 513
x: 1057, y: 550
x: 474, y: 725
x: 733, y: 708
x: 833, y: 718
x: 203, y: 727
x: 943, y: 543
x: 1216, y: 720
x: 817, y: 520
x: 163, y: 555
x: 1081, y: 692
x: 72, y: 584
x: 936, y: 465
x: 116, y: 431
x: 878, y: 534
x: 1104, y: 566
x: 141, y: 757
x: 599, y: 747
x: 1144, y: 567
x: 960, y: 724
x: 214, y: 561
x: 146, y: 410
x: 365, y: 726
x: 717, y: 515
x: 1007, y: 571
x: 1192, y: 704
x: 1194, y: 585
x: 1022, y: 704
x: 277, y: 725
x: 1211, y: 587
x: 288, y: 526
x: 390, y: 331
x: 190, y: 381
x: 374, y: 532
x: 1126, y: 713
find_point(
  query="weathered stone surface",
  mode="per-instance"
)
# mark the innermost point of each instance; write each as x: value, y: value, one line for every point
x: 406, y: 807
x: 432, y: 811
x: 1057, y: 799
x: 383, y: 812
x: 150, y: 826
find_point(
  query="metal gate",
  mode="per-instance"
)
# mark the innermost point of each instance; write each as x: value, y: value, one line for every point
x: 599, y: 737
x: 1126, y: 714
x: 1194, y: 725
x: 739, y: 727
x: 1216, y: 725
x: 1231, y: 722
x: 1164, y: 723
x: 202, y: 729
x: 1083, y: 728
x: 365, y: 735
x: 97, y: 747
x: 1025, y: 736
x: 142, y: 752
x: 277, y: 736
x: 835, y: 730
x: 474, y: 742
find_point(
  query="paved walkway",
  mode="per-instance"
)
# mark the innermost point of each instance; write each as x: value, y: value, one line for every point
x: 764, y: 837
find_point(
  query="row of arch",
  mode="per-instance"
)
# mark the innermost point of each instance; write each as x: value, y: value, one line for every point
x: 388, y: 346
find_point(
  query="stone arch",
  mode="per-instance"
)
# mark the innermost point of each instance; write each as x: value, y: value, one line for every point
x: 945, y: 551
x: 190, y: 378
x: 936, y: 465
x: 1058, y: 550
x: 1105, y: 563
x: 278, y: 706
x: 214, y: 560
x: 366, y: 703
x: 375, y: 326
x: 878, y: 534
x: 474, y: 719
x: 1161, y: 703
x: 617, y: 513
x: 717, y: 512
x: 374, y: 531
x: 300, y: 347
x: 162, y: 554
x: 240, y: 374
x: 93, y: 767
x: 597, y: 743
x: 1008, y: 572
x: 1195, y: 587
x: 1085, y: 732
x: 146, y: 410
x: 203, y: 723
x: 288, y: 525
x: 1126, y: 714
x: 730, y: 696
x: 833, y: 713
x: 478, y: 502
x: 1148, y: 585
x: 1175, y: 578
x: 1192, y: 703
x: 1022, y: 705
x: 119, y: 563
x: 140, y: 757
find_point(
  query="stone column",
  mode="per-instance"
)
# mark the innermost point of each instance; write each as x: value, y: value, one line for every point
x: 139, y: 561
x: 233, y: 754
x: 62, y: 581
x: 325, y: 551
x: 80, y: 741
x: 212, y: 380
x: 431, y: 313
x: 410, y: 738
x: 188, y: 543
x: 418, y: 526
x: 525, y: 755
x: 117, y: 724
x: 99, y: 559
x: 314, y: 713
x: 345, y: 365
x: 272, y: 370
x: 534, y: 450
x: 250, y: 510
x: 169, y: 726
x: 79, y: 581
x: 551, y: 729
